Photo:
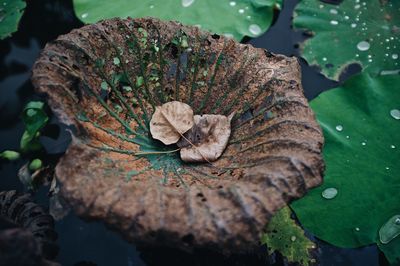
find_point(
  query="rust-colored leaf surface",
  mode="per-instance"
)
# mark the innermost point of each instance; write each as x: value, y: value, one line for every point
x: 107, y: 79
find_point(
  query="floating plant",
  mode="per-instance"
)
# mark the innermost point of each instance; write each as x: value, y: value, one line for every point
x: 35, y: 119
x: 288, y: 238
x: 362, y: 176
x: 116, y: 171
x: 362, y: 32
x: 234, y: 19
x: 11, y: 12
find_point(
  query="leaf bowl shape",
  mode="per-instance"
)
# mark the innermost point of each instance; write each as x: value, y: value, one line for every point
x: 106, y: 79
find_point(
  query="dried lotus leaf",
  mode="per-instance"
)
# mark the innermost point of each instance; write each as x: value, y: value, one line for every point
x: 156, y: 198
x: 210, y: 136
x: 170, y: 121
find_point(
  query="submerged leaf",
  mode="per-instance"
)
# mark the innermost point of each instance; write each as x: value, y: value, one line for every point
x: 209, y: 135
x: 286, y: 237
x: 236, y: 19
x: 170, y: 121
x: 362, y: 155
x: 115, y: 171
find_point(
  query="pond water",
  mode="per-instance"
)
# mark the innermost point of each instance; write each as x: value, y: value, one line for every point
x: 91, y: 243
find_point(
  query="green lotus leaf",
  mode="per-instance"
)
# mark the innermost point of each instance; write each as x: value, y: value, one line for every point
x: 360, y: 193
x: 363, y: 32
x: 11, y: 12
x: 235, y: 19
x: 286, y: 237
x: 106, y: 80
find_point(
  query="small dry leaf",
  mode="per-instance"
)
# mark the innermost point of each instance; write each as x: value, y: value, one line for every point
x: 170, y: 121
x: 210, y: 136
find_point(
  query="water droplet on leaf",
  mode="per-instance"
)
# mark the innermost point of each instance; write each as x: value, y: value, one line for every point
x: 187, y: 3
x: 31, y: 112
x: 390, y: 230
x: 254, y: 29
x: 84, y: 15
x: 228, y: 35
x: 363, y: 46
x: 395, y: 113
x: 329, y: 193
x: 339, y: 127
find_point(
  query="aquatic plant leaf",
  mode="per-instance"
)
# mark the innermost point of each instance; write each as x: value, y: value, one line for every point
x: 116, y: 172
x: 11, y: 12
x: 10, y: 155
x: 366, y: 33
x: 35, y: 164
x: 209, y: 135
x: 34, y: 118
x: 286, y: 237
x: 170, y: 121
x: 362, y: 151
x: 234, y: 19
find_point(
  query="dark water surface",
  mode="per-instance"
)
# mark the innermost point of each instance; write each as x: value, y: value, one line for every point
x: 90, y: 243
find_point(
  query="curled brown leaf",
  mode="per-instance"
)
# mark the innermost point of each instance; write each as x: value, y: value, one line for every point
x: 170, y: 121
x: 210, y: 135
